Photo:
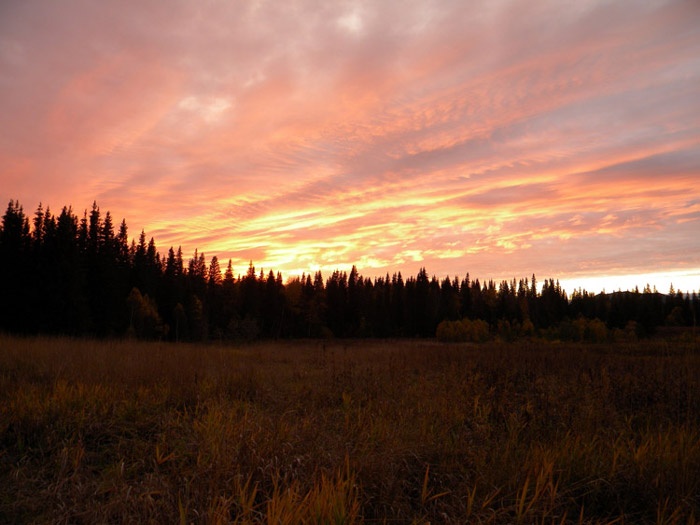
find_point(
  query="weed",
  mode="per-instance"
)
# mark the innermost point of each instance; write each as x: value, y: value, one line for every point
x: 348, y: 432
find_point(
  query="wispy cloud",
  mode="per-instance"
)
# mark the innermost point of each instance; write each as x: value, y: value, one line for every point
x: 499, y: 138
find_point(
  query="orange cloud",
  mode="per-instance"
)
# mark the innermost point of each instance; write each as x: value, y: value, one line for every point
x: 301, y: 136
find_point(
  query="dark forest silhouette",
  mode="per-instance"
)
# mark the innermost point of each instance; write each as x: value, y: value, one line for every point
x: 62, y: 274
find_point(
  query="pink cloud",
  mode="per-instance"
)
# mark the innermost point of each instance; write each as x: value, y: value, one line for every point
x: 498, y: 138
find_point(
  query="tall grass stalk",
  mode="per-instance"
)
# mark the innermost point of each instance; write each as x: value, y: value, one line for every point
x: 348, y: 432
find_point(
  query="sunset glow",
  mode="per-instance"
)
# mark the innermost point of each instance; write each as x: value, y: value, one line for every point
x: 497, y: 138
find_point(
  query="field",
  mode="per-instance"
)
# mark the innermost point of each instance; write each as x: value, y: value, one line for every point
x: 348, y: 432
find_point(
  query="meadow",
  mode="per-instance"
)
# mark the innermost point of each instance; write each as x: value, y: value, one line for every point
x: 348, y: 432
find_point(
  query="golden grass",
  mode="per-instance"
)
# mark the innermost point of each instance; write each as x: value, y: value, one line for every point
x: 348, y: 432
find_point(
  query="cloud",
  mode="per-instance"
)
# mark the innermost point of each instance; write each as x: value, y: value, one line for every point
x: 499, y: 138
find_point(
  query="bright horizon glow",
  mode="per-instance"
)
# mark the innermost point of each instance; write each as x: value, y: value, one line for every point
x: 493, y: 137
x: 684, y: 281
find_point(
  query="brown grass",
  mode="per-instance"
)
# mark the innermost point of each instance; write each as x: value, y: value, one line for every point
x: 348, y: 432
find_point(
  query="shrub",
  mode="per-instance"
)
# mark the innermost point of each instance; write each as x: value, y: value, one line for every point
x: 527, y: 329
x: 464, y: 331
x: 451, y: 332
x: 595, y: 331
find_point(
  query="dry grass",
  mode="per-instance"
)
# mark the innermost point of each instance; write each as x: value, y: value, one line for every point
x: 348, y: 432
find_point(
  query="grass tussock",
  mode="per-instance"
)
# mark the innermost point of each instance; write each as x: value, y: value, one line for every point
x: 348, y: 432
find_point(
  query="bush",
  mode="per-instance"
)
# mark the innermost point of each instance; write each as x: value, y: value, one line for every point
x: 582, y: 329
x: 464, y: 331
x: 595, y: 331
x: 451, y: 332
x: 145, y: 322
x: 507, y: 331
x: 527, y: 329
x: 244, y: 330
x: 478, y: 330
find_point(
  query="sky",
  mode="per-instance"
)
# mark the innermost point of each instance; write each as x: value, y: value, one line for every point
x: 499, y: 138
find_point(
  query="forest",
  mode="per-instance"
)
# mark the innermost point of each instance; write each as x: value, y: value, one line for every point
x: 81, y: 276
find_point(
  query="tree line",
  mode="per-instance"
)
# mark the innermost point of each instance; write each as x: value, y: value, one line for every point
x: 65, y: 274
